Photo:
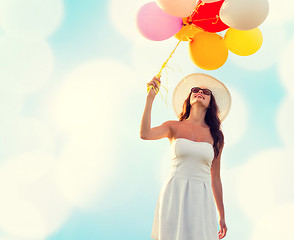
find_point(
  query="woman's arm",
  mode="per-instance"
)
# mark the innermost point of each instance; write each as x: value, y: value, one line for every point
x: 218, y: 193
x: 146, y: 132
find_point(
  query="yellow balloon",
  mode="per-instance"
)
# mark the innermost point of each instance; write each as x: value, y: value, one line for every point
x: 243, y: 43
x: 208, y: 50
x: 187, y: 31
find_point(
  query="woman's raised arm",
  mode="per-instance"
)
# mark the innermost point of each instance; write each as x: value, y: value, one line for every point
x: 146, y: 132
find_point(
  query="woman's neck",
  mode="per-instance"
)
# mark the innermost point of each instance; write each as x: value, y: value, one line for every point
x: 197, y: 116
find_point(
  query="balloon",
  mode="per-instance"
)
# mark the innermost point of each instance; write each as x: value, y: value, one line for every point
x: 155, y: 24
x: 243, y: 43
x: 206, y: 16
x: 210, y: 1
x: 187, y: 31
x: 244, y: 14
x: 208, y: 50
x: 178, y: 8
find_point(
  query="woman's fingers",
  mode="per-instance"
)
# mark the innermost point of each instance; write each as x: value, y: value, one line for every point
x: 222, y: 232
x: 155, y: 82
x: 154, y: 85
x: 223, y: 228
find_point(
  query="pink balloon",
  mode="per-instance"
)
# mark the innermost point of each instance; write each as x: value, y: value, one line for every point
x: 155, y: 24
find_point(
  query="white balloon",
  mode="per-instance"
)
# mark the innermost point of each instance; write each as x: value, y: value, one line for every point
x: 178, y: 8
x: 244, y: 15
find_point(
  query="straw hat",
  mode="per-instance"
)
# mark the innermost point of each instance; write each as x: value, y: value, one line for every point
x: 219, y: 90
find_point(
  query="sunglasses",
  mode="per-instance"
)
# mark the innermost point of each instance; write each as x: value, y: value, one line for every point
x: 204, y: 90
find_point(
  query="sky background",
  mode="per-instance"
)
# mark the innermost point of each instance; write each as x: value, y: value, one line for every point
x: 73, y: 80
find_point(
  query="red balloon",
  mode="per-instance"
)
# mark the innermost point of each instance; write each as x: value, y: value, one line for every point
x: 206, y: 16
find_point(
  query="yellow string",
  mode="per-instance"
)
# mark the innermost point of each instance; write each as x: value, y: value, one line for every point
x: 217, y: 18
x: 197, y: 7
x: 204, y: 19
x: 196, y: 11
x: 164, y: 65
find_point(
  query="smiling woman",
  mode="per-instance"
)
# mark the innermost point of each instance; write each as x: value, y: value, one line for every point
x: 185, y: 208
x: 211, y: 118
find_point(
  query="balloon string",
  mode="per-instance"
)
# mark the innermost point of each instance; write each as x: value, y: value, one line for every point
x: 164, y: 65
x: 166, y: 88
x: 197, y: 7
x: 190, y: 21
x: 216, y: 17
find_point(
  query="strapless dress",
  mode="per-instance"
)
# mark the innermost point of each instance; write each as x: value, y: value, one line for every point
x: 186, y: 208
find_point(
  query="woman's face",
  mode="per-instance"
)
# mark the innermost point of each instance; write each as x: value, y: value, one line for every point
x: 200, y: 98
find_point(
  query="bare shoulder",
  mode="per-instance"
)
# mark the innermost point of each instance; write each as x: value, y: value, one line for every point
x: 171, y: 123
x: 173, y: 126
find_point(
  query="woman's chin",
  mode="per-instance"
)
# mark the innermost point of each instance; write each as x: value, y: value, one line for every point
x: 199, y: 103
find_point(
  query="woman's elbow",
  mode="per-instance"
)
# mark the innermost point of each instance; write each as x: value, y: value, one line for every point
x: 143, y: 136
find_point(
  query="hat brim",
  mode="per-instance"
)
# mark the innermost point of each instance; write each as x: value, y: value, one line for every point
x: 219, y: 90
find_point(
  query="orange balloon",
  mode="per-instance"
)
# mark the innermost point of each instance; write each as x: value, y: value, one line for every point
x: 187, y: 31
x: 208, y: 50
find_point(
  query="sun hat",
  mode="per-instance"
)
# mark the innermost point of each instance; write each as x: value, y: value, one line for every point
x: 219, y: 90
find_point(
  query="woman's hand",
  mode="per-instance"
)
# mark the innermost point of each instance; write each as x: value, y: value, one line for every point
x: 156, y: 83
x: 223, y: 228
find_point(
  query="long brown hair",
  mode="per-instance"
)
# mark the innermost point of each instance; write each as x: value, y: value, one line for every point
x: 211, y: 119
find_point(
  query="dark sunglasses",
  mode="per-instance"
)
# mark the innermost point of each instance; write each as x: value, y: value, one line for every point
x: 204, y: 90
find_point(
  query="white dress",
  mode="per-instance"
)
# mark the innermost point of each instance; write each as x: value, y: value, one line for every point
x: 186, y: 209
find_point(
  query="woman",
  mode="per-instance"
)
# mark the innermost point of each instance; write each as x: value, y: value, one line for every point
x: 186, y: 205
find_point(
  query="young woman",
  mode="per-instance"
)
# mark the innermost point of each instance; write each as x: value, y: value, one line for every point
x: 186, y: 207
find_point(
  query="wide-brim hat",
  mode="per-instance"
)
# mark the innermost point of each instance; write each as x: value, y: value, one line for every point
x: 219, y: 90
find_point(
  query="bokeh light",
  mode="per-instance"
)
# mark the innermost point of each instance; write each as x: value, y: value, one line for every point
x: 31, y: 205
x: 286, y: 67
x: 234, y: 126
x: 88, y: 96
x: 84, y: 169
x: 26, y: 64
x: 124, y: 18
x: 285, y: 118
x: 32, y: 17
x: 280, y: 12
x: 256, y: 195
x: 269, y: 228
x: 25, y: 135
